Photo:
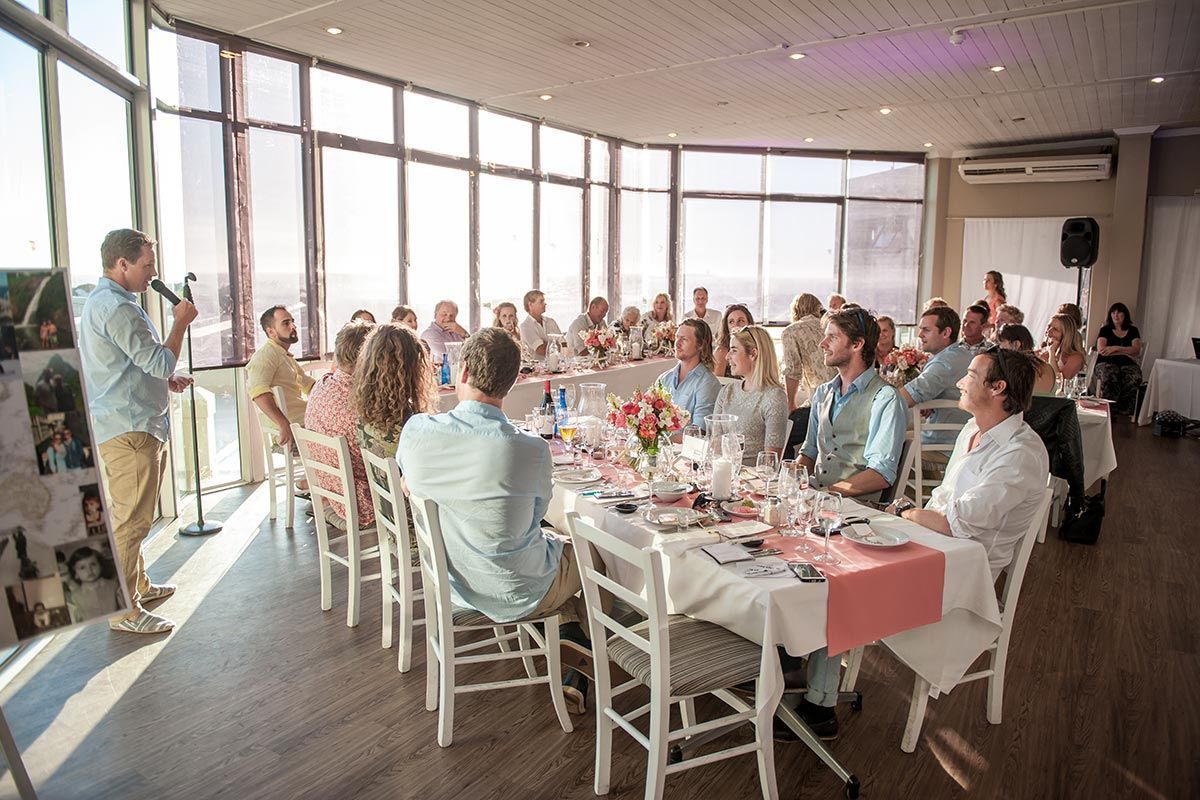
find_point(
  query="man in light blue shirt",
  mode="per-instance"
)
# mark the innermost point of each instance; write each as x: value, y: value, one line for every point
x: 492, y: 485
x: 129, y: 372
x: 691, y: 383
x: 938, y: 331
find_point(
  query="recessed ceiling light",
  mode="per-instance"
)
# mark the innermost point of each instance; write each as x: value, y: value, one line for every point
x: 928, y: 144
x: 581, y: 43
x: 334, y: 31
x: 1157, y: 79
x: 885, y: 111
x: 808, y: 139
x: 672, y: 135
x: 997, y: 68
x: 545, y: 97
x: 797, y: 56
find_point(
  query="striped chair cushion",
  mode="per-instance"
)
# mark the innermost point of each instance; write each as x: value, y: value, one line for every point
x: 704, y: 657
x: 469, y: 616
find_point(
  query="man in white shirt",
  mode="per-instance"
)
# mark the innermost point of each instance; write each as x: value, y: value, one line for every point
x: 536, y: 326
x: 591, y: 319
x: 702, y: 311
x: 999, y: 466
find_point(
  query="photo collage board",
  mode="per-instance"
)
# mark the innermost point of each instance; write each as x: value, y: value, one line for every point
x: 58, y: 564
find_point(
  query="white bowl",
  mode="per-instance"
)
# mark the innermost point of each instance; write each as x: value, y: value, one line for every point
x: 669, y: 491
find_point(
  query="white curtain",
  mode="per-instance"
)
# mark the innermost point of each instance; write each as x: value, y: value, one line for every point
x: 1025, y: 251
x: 1169, y: 313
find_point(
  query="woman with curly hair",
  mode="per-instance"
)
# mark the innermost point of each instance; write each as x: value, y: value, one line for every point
x: 391, y: 384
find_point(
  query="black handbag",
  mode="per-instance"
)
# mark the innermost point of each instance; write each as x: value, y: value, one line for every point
x: 1083, y: 518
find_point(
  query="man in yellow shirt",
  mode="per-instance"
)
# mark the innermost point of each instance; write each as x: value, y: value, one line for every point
x: 273, y: 365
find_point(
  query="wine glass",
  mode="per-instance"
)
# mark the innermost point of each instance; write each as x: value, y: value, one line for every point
x: 572, y: 395
x: 568, y: 428
x: 766, y: 465
x: 829, y: 516
x: 802, y: 503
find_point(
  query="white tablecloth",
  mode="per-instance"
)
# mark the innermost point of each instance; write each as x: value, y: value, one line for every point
x: 783, y: 611
x: 1174, y: 386
x: 619, y: 380
x: 1099, y: 455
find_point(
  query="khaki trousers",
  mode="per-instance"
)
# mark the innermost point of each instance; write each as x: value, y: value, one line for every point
x: 563, y: 594
x: 134, y: 464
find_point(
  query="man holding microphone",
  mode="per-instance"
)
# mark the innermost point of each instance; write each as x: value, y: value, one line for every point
x: 129, y: 372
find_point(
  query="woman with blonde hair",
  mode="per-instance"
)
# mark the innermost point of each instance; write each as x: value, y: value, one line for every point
x: 758, y: 399
x: 1062, y: 346
x: 504, y: 316
x: 660, y: 311
x: 803, y: 362
x: 405, y: 315
x: 391, y: 384
x: 735, y: 316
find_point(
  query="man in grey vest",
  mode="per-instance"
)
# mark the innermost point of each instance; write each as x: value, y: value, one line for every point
x: 856, y: 429
x: 855, y: 435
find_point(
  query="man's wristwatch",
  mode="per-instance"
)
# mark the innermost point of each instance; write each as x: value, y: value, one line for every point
x: 902, y: 505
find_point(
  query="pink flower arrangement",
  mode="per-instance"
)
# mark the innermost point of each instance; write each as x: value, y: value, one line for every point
x: 598, y: 341
x: 906, y: 362
x: 663, y: 336
x: 648, y: 414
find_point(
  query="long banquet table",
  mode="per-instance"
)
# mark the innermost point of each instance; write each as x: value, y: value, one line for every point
x: 784, y: 611
x: 526, y: 394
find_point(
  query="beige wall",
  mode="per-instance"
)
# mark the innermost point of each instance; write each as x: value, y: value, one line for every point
x: 1175, y: 166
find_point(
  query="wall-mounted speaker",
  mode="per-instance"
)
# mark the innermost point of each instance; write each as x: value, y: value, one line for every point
x: 1080, y: 242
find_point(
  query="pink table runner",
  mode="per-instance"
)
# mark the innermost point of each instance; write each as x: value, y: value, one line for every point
x: 875, y: 592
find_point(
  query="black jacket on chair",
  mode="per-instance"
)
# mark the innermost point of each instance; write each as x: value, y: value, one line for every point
x: 1057, y: 422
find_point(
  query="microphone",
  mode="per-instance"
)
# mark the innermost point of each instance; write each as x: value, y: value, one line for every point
x: 162, y: 289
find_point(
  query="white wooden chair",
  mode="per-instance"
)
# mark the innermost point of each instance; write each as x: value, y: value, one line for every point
x: 355, y: 554
x: 923, y: 690
x: 677, y: 657
x: 920, y: 485
x: 1090, y: 369
x: 396, y: 563
x: 277, y: 475
x: 443, y: 622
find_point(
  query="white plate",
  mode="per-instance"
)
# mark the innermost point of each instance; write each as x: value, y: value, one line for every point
x: 576, y: 477
x: 876, y: 538
x: 563, y: 459
x: 671, y: 518
x: 736, y: 508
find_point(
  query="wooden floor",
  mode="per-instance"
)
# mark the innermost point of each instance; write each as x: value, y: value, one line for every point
x: 259, y: 694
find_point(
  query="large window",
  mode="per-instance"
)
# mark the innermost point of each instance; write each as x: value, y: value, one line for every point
x: 186, y: 71
x: 721, y: 252
x: 272, y: 89
x: 722, y: 172
x: 439, y: 126
x: 277, y: 229
x: 505, y: 140
x: 97, y: 173
x: 439, y: 226
x: 360, y: 193
x: 216, y: 431
x: 193, y: 232
x: 645, y: 229
x: 882, y: 245
x: 24, y: 204
x: 561, y: 258
x: 598, y: 244
x: 800, y: 243
x: 352, y: 106
x: 103, y: 26
x: 562, y: 153
x: 505, y: 242
x: 645, y: 168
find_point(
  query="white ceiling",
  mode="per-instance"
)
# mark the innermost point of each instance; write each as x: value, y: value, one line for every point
x: 717, y: 71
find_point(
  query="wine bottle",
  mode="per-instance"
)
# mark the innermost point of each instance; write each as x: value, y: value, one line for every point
x: 548, y: 425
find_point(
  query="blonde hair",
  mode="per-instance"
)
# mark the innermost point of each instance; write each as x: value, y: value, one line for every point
x: 670, y: 313
x: 349, y: 342
x: 496, y: 313
x: 1071, y: 341
x: 1018, y: 316
x: 805, y: 305
x: 530, y: 297
x: 766, y: 366
x: 391, y: 380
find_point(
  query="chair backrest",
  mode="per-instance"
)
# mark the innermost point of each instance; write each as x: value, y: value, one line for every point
x: 265, y: 425
x: 1090, y: 369
x: 920, y: 425
x: 327, y: 456
x: 1015, y: 571
x: 435, y: 574
x: 787, y: 435
x: 650, y: 602
x: 391, y: 509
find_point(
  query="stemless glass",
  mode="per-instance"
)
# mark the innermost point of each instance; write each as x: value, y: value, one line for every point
x: 829, y: 516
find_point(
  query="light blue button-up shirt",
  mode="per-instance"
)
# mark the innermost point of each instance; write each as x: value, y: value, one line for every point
x: 696, y: 394
x: 124, y: 364
x: 885, y: 434
x: 492, y: 486
x: 939, y: 381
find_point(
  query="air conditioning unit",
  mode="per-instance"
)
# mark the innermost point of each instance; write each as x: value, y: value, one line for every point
x: 1040, y: 169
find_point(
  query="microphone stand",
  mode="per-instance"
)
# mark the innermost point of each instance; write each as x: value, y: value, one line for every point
x: 199, y: 527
